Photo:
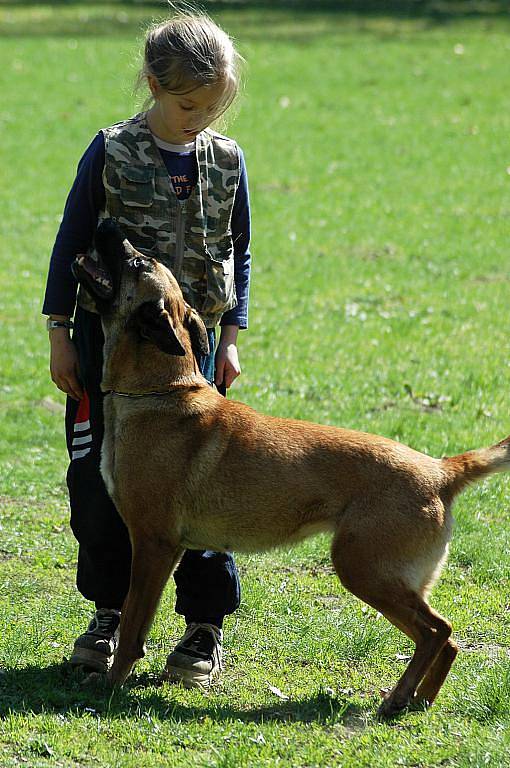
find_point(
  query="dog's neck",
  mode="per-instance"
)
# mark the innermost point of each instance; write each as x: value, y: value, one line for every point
x: 128, y: 369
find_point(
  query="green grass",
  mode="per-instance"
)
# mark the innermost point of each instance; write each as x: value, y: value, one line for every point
x: 377, y: 149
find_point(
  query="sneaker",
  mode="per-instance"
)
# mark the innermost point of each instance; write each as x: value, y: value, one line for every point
x: 197, y: 657
x: 96, y: 647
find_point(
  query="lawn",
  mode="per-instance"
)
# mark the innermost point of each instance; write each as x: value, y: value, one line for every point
x: 376, y: 140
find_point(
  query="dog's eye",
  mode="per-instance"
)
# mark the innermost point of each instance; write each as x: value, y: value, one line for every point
x: 137, y: 263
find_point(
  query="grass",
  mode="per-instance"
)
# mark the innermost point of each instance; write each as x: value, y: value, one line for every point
x: 376, y: 144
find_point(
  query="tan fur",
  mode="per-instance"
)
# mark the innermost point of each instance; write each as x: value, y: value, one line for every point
x: 190, y: 469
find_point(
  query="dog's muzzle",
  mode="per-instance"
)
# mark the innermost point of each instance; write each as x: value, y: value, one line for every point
x: 89, y: 270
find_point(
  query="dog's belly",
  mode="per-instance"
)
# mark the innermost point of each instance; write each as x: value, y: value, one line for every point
x: 252, y: 532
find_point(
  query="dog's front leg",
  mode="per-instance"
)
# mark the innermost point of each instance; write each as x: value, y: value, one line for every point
x: 153, y: 562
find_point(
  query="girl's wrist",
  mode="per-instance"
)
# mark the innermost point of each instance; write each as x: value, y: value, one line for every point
x: 59, y: 335
x: 60, y: 330
x: 229, y: 334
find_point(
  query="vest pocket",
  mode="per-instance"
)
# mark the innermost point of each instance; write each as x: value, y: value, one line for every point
x: 219, y: 265
x: 137, y: 185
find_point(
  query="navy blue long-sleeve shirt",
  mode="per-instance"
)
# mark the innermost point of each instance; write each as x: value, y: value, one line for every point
x: 87, y: 198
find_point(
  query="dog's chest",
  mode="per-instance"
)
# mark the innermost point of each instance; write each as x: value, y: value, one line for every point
x: 112, y: 431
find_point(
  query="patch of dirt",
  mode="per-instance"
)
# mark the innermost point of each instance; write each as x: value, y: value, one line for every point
x: 9, y: 501
x: 493, y: 650
x: 52, y: 405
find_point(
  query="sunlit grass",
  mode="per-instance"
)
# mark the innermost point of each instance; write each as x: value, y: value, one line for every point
x: 377, y: 150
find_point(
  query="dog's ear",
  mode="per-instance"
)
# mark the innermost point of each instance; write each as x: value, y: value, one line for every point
x: 154, y: 323
x: 197, y: 332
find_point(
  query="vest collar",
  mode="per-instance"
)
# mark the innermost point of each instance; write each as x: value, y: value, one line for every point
x: 202, y: 140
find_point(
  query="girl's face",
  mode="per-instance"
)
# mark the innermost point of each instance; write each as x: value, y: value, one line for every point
x: 178, y: 118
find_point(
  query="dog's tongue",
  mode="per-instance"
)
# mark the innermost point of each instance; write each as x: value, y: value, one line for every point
x: 87, y: 268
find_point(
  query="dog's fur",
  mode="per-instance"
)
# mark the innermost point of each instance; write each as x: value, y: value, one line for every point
x: 187, y: 468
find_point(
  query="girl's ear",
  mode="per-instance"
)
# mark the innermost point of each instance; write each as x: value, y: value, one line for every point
x: 153, y: 85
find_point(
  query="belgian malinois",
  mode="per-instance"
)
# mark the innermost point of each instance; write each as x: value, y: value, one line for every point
x: 188, y: 469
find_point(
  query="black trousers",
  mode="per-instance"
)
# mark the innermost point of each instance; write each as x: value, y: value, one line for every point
x: 207, y: 583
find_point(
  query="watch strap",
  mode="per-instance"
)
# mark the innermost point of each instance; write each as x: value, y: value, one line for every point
x: 51, y: 324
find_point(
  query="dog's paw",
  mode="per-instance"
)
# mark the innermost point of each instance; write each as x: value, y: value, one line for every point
x: 419, y: 704
x: 392, y: 707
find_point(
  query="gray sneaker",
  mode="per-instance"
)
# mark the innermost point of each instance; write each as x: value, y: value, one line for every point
x: 197, y: 657
x: 96, y: 647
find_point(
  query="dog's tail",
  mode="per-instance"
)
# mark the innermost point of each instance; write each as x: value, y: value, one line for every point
x: 474, y: 465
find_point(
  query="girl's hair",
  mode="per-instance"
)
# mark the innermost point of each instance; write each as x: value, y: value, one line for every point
x: 189, y: 51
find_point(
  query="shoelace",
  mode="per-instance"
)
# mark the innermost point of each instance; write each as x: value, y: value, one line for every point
x: 106, y: 624
x: 202, y: 641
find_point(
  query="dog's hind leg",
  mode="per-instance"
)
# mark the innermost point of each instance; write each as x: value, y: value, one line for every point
x: 435, y: 677
x: 365, y: 572
x: 152, y: 564
x: 430, y: 632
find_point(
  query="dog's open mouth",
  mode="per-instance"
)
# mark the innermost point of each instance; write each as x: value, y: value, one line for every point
x: 90, y: 272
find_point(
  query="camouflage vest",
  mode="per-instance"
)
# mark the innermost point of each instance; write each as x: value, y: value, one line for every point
x: 192, y: 237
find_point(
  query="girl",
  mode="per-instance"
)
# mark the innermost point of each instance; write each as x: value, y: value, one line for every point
x: 179, y: 193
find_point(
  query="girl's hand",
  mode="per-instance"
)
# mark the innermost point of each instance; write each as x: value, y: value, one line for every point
x: 64, y: 363
x: 227, y: 358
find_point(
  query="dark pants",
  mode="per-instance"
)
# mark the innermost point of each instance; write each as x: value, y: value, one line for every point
x: 207, y: 583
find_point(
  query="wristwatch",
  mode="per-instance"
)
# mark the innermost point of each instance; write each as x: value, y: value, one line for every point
x: 51, y: 324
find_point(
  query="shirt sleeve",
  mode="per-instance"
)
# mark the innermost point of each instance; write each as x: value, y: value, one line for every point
x: 75, y: 235
x: 241, y: 229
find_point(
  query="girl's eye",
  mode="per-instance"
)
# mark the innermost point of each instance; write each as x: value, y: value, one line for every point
x: 186, y: 109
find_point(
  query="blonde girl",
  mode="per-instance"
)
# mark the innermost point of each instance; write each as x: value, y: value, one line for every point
x: 179, y: 192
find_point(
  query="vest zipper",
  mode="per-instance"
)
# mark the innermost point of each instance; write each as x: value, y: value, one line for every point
x: 179, y: 238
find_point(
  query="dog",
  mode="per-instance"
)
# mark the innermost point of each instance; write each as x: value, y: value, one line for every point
x: 188, y: 469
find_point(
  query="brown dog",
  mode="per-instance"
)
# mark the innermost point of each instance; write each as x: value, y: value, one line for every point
x: 188, y: 469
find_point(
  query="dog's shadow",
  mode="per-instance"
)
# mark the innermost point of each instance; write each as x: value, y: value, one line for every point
x: 58, y: 689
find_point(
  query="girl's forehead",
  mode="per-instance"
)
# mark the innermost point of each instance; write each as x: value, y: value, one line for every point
x: 204, y: 95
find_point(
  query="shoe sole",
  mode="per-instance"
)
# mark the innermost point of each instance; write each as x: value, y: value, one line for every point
x: 188, y: 678
x: 93, y: 660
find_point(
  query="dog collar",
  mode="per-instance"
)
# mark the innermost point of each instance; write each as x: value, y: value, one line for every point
x: 143, y: 394
x: 180, y: 384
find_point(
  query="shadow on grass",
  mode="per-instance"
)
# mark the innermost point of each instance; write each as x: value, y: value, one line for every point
x: 57, y: 689
x: 414, y: 8
x: 258, y: 19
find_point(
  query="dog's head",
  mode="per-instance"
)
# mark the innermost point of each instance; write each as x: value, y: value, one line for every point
x: 138, y: 294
